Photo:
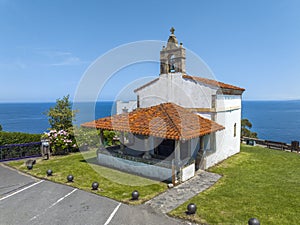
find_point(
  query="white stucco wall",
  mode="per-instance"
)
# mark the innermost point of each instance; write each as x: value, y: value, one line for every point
x: 226, y: 143
x: 227, y: 102
x: 188, y: 172
x: 174, y: 88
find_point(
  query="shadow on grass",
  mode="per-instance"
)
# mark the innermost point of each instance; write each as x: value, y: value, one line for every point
x: 90, y: 160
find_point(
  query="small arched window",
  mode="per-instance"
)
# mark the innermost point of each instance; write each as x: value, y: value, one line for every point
x: 172, y: 66
x: 234, y: 130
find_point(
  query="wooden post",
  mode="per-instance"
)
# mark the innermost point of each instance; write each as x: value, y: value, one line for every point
x: 146, y: 148
x: 173, y: 173
x: 155, y: 145
x: 122, y: 140
x: 189, y: 146
x: 177, y: 151
x: 199, y: 164
x: 202, y: 143
x: 146, y: 144
x: 177, y: 157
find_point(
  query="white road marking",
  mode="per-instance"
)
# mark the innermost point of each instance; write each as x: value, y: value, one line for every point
x: 12, y: 194
x: 59, y: 200
x: 55, y: 203
x: 112, y: 214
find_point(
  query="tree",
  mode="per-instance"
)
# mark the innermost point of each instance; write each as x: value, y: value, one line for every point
x: 0, y: 127
x: 61, y: 116
x: 246, y: 125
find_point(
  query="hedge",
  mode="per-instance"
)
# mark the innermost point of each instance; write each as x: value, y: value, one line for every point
x: 18, y: 138
x: 13, y: 145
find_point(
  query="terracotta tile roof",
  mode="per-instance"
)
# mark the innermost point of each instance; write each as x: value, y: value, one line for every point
x: 166, y: 120
x: 213, y: 82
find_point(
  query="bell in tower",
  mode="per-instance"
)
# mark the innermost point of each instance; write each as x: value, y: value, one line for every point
x: 172, y: 57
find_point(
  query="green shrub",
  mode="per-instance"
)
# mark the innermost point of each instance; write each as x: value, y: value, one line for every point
x: 91, y: 137
x: 60, y: 116
x: 86, y: 136
x: 246, y: 125
x: 61, y: 142
x: 108, y: 137
x: 19, y: 152
x: 8, y: 138
x: 18, y: 138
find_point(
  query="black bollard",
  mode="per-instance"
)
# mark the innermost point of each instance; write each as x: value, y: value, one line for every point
x: 70, y: 178
x: 49, y: 172
x: 29, y: 163
x: 29, y: 166
x: 191, y: 208
x: 253, y: 221
x: 135, y: 195
x: 95, y: 186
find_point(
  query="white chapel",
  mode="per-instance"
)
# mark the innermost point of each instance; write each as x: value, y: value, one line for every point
x: 179, y: 123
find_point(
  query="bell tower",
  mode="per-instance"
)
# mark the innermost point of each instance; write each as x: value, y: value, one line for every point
x: 172, y: 56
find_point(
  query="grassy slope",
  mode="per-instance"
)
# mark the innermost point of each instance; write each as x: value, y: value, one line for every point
x: 112, y: 183
x: 258, y: 182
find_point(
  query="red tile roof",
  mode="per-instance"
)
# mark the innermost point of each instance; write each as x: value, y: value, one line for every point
x: 166, y: 120
x: 213, y: 82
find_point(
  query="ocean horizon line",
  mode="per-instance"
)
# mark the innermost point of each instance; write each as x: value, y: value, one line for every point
x: 244, y: 100
x: 47, y: 102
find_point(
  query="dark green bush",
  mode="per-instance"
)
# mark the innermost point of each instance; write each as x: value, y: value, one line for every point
x: 18, y: 138
x: 108, y: 137
x: 19, y: 152
x: 91, y: 137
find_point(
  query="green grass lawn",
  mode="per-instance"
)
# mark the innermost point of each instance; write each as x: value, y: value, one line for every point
x: 259, y: 183
x: 112, y: 183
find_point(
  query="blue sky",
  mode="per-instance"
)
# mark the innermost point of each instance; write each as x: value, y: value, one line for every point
x: 46, y: 46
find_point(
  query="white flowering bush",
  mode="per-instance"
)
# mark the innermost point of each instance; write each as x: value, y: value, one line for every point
x: 87, y: 137
x: 61, y: 142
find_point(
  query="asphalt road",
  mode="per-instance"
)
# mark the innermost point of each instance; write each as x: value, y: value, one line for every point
x: 26, y: 200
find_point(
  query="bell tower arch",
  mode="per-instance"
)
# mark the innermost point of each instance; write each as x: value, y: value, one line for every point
x: 172, y: 56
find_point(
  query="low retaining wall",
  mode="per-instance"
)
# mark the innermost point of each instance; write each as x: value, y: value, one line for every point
x: 188, y: 172
x: 139, y: 168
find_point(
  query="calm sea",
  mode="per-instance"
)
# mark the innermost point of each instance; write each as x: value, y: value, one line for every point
x: 272, y: 120
x: 31, y: 118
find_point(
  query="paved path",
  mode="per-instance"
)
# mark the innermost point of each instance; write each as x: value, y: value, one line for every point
x: 25, y: 200
x: 176, y: 196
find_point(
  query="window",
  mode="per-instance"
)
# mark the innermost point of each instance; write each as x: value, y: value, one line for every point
x: 138, y: 101
x: 234, y: 130
x: 172, y: 67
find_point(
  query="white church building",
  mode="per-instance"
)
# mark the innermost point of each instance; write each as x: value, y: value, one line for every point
x: 178, y: 123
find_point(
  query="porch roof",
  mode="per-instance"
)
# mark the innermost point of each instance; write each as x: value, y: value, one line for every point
x: 166, y: 120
